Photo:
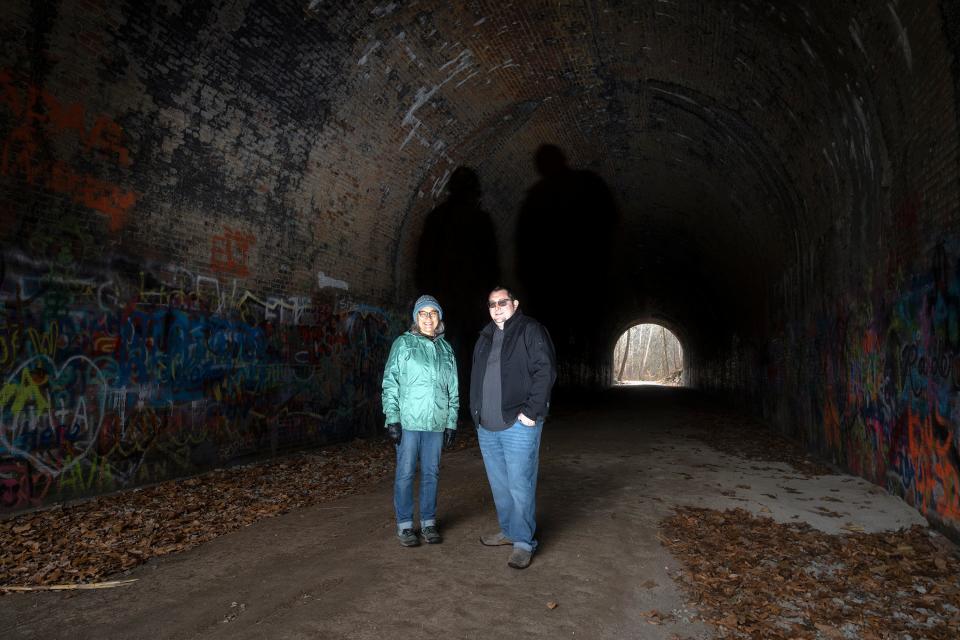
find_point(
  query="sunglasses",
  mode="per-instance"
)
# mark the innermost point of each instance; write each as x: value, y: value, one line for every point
x: 502, y: 302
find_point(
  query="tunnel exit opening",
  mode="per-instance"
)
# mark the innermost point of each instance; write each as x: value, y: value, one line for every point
x: 648, y: 354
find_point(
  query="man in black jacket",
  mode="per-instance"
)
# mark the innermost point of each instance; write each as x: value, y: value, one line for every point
x: 514, y: 368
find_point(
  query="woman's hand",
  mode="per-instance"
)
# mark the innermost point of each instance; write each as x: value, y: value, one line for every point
x: 449, y: 437
x: 395, y: 431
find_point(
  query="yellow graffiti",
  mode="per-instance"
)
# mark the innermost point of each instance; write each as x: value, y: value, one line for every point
x: 152, y: 471
x: 9, y: 348
x: 26, y: 392
x: 45, y: 343
x: 99, y: 472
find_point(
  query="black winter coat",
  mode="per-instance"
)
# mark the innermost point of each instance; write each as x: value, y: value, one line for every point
x: 528, y: 369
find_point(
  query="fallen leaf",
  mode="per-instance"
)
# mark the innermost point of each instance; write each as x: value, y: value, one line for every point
x: 827, y: 630
x: 729, y: 621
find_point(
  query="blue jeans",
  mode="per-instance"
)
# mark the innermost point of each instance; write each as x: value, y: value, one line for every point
x: 425, y: 447
x: 512, y: 459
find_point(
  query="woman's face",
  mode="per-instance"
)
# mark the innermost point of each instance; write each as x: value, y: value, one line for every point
x: 427, y: 320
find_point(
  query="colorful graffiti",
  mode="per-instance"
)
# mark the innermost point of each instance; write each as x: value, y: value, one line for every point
x: 109, y: 380
x: 883, y: 368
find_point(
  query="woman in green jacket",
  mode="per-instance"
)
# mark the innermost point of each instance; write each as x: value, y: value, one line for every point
x: 420, y: 400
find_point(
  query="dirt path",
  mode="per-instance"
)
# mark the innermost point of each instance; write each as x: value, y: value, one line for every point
x: 608, y: 477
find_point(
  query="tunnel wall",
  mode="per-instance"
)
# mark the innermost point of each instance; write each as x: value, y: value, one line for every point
x: 179, y: 290
x: 114, y: 379
x: 861, y: 355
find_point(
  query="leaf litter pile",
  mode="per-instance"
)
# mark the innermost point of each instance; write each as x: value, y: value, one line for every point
x: 755, y: 578
x: 86, y: 541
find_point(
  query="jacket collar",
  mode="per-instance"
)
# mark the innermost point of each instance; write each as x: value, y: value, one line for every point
x: 417, y: 333
x: 511, y: 322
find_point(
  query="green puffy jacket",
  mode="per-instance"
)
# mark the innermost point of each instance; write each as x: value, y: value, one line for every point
x: 420, y: 387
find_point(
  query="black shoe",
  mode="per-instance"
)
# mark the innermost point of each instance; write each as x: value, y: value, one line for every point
x: 408, y: 538
x: 431, y: 535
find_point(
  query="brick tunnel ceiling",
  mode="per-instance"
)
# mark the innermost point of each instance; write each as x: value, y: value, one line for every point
x: 727, y: 132
x: 693, y: 113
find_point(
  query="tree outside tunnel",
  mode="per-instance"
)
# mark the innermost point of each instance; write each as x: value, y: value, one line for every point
x: 648, y: 353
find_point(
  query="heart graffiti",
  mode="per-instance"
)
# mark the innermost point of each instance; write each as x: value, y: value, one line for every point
x: 51, y: 415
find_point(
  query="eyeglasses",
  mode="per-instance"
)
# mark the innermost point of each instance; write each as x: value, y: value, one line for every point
x: 423, y: 313
x: 502, y: 302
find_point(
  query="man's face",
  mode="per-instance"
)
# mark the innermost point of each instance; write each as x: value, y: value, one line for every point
x: 427, y: 320
x: 501, y: 306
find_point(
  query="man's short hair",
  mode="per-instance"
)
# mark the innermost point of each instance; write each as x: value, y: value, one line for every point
x: 500, y: 287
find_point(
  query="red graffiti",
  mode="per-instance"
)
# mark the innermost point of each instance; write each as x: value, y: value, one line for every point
x: 19, y: 488
x: 935, y: 475
x: 230, y: 252
x: 872, y: 459
x: 831, y: 422
x: 41, y: 117
x: 39, y: 109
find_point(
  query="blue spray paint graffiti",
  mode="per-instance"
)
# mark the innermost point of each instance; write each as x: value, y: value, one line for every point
x: 111, y: 380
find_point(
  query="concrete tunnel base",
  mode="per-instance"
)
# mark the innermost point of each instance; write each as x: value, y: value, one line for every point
x: 608, y: 477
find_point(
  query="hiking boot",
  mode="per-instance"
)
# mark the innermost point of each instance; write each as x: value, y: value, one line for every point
x: 520, y: 558
x: 495, y: 540
x: 408, y: 538
x: 431, y: 535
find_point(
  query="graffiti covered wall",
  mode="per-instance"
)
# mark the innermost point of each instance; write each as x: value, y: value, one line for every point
x: 870, y: 381
x: 114, y: 379
x: 883, y: 372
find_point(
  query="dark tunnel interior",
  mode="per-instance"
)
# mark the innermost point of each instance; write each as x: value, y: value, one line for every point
x: 216, y: 218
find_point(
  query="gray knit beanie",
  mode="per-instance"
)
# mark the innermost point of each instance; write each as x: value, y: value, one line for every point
x: 426, y: 301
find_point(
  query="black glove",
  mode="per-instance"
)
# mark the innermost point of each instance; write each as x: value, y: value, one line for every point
x: 449, y: 437
x: 395, y: 431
